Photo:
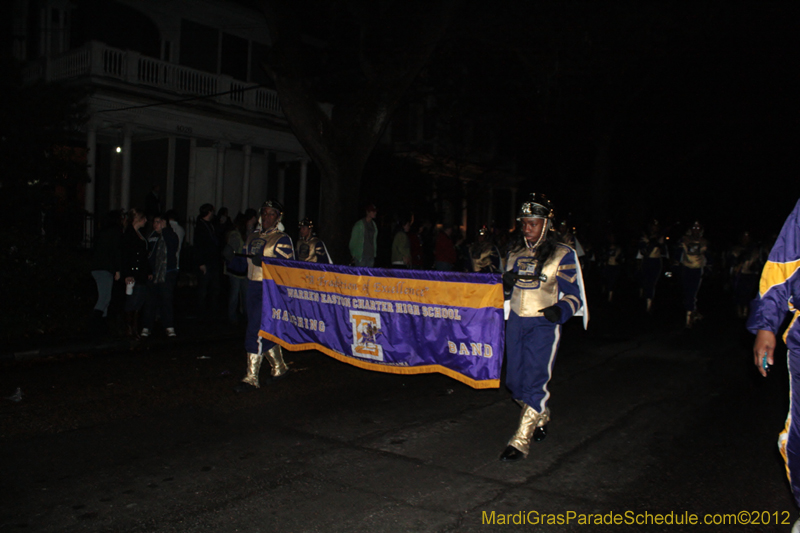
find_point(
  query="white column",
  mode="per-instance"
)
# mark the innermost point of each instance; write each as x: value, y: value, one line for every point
x: 170, y: 192
x: 125, y: 192
x: 281, y: 183
x: 116, y: 171
x: 89, y: 190
x: 248, y: 154
x: 301, y: 210
x: 191, y: 193
x: 220, y: 173
x: 91, y: 163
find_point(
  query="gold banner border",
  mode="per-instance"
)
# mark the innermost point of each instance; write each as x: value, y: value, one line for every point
x: 388, y: 369
x: 489, y: 292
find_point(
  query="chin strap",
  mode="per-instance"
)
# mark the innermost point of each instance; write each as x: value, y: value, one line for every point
x: 542, y: 236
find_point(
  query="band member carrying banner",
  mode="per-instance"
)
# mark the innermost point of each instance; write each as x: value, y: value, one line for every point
x: 269, y: 242
x: 546, y: 287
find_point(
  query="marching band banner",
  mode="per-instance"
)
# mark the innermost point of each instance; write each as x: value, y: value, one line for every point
x: 396, y: 321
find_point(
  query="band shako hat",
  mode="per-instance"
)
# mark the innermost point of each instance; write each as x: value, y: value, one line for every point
x: 274, y: 204
x: 306, y: 223
x: 537, y: 206
x: 483, y: 231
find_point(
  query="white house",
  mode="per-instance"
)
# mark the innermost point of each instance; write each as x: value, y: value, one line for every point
x: 177, y: 99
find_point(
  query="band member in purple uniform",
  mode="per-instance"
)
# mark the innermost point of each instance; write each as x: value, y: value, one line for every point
x: 779, y: 293
x: 544, y: 280
x: 269, y: 242
x: 310, y: 247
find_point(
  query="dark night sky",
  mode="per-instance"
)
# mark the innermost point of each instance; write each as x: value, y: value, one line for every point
x: 702, y: 97
x: 704, y: 111
x: 699, y: 101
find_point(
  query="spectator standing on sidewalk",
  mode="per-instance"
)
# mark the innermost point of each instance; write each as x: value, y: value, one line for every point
x: 207, y: 258
x: 106, y: 266
x: 237, y: 279
x: 401, y: 244
x: 444, y: 253
x: 172, y: 219
x: 364, y: 239
x: 162, y: 248
x: 135, y: 269
x: 152, y: 202
x: 224, y: 222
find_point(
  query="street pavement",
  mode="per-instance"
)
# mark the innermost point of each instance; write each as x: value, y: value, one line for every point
x: 649, y: 420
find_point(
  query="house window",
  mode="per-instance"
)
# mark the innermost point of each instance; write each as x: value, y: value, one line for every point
x: 199, y: 45
x: 233, y: 59
x: 257, y: 56
x: 114, y: 24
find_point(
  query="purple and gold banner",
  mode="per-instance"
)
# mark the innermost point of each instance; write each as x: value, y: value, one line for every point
x: 397, y: 321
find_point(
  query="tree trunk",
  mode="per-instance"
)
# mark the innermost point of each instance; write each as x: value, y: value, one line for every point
x: 339, y: 139
x: 339, y: 196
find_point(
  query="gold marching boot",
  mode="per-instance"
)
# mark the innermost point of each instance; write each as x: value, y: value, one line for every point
x: 649, y: 306
x: 250, y: 381
x: 689, y: 319
x: 519, y: 444
x: 275, y: 356
x: 540, y: 432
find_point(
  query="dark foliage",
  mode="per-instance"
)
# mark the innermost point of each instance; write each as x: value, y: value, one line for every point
x: 45, y: 287
x: 44, y: 280
x: 41, y: 168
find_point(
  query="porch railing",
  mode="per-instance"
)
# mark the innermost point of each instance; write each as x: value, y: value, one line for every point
x: 98, y: 60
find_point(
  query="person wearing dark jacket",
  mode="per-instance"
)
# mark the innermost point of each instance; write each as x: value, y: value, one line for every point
x: 162, y: 246
x: 208, y: 257
x: 105, y: 265
x: 152, y: 202
x: 445, y: 251
x: 135, y: 269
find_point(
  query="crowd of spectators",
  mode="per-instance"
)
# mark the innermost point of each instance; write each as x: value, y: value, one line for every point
x: 145, y: 254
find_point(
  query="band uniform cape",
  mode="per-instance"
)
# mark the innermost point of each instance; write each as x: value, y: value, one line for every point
x: 779, y: 286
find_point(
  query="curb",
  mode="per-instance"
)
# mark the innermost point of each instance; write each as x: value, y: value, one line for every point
x: 110, y: 345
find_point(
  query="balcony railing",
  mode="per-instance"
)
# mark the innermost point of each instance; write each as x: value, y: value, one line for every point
x: 98, y: 60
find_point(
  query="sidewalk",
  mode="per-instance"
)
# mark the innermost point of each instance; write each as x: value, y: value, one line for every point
x: 191, y: 330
